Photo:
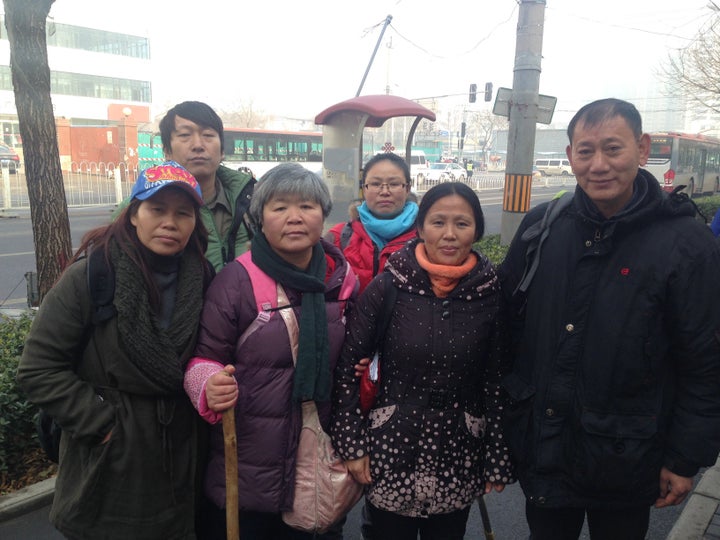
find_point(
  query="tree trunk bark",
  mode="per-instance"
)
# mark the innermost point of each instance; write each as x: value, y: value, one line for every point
x: 25, y: 23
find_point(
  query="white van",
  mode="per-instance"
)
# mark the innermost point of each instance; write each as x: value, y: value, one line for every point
x: 553, y: 167
x: 418, y: 167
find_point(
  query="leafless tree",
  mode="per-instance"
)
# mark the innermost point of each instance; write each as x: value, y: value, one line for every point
x: 244, y: 115
x: 482, y: 124
x: 695, y: 70
x: 25, y: 23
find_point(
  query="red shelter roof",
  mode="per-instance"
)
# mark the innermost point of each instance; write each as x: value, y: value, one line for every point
x: 380, y: 108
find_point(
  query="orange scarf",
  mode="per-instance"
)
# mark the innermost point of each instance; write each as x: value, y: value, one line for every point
x: 443, y: 278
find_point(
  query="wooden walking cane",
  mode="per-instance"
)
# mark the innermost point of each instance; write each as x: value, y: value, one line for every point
x: 232, y: 503
x: 489, y: 534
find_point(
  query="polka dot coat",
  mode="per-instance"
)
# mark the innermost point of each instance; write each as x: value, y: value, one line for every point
x: 433, y: 435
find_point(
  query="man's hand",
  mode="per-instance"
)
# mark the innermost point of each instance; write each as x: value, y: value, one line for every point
x: 360, y: 469
x: 673, y: 488
x: 221, y: 390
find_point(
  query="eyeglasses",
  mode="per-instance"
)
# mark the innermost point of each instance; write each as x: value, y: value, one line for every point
x: 377, y: 187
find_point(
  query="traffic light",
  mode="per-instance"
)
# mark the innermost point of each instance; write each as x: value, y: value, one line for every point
x: 488, y: 91
x: 462, y: 130
x: 473, y: 93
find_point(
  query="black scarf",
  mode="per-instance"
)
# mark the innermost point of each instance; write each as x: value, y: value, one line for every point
x: 157, y: 352
x: 312, y: 372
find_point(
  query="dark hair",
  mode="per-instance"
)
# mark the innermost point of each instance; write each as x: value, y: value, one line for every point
x: 125, y: 235
x: 598, y: 111
x: 195, y: 111
x: 446, y: 189
x: 389, y: 156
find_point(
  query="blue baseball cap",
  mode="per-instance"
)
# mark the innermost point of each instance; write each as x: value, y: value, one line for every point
x: 169, y: 173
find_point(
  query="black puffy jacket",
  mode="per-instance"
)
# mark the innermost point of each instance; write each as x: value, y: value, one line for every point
x: 433, y: 434
x: 616, y: 360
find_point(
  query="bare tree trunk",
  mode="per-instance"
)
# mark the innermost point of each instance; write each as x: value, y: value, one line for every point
x: 25, y: 23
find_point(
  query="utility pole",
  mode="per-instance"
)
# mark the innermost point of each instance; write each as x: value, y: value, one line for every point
x: 367, y: 70
x: 523, y: 117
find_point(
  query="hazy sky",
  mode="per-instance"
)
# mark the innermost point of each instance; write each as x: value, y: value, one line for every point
x: 295, y: 58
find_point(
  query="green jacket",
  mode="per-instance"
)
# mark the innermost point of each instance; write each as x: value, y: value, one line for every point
x: 140, y: 483
x: 217, y: 252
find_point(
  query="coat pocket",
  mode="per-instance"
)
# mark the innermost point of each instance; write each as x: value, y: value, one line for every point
x: 615, y: 453
x: 517, y: 416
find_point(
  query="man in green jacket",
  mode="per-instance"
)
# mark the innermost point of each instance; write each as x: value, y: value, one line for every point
x: 192, y: 135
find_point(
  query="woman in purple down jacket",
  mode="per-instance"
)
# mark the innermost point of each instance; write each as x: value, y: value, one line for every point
x: 255, y: 373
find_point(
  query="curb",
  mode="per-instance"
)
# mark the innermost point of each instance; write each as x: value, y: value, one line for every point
x: 701, y: 511
x: 27, y: 499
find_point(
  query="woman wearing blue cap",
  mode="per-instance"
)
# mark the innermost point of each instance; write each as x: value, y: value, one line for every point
x: 112, y: 374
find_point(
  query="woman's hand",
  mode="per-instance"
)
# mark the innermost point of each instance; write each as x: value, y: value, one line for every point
x: 497, y: 486
x: 361, y: 366
x: 360, y: 469
x: 221, y: 390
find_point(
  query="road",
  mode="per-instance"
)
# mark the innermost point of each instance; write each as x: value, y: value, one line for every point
x: 17, y: 254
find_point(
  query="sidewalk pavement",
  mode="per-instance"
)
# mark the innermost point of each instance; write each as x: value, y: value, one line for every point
x: 27, y: 499
x: 700, y: 519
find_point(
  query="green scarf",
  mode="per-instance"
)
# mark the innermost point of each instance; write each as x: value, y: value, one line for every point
x: 160, y: 354
x: 312, y: 371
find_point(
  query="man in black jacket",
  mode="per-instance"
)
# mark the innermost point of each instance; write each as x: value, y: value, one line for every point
x: 615, y: 386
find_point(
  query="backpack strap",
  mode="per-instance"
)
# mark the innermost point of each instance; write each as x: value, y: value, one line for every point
x: 387, y: 307
x: 242, y: 204
x: 536, y: 235
x: 101, y: 283
x: 345, y: 234
x: 265, y: 292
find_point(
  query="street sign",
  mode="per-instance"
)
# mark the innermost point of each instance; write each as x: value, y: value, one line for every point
x: 503, y: 102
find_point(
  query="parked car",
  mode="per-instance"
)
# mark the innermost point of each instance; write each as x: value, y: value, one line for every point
x: 553, y: 167
x: 9, y: 158
x: 446, y: 172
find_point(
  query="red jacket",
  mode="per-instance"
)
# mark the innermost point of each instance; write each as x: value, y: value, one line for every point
x: 364, y: 257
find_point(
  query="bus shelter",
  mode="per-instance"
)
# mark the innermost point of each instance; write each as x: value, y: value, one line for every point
x: 343, y: 125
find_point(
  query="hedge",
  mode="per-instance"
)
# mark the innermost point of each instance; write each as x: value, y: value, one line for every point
x: 17, y: 419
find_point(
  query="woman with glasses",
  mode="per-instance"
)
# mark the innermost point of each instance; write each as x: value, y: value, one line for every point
x: 386, y: 218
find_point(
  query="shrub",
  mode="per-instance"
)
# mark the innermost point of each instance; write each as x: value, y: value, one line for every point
x: 490, y: 246
x: 708, y: 206
x: 17, y: 419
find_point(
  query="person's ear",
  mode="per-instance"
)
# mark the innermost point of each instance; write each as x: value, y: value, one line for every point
x: 644, y: 144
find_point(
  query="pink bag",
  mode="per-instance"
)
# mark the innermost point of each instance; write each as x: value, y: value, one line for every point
x: 324, y: 489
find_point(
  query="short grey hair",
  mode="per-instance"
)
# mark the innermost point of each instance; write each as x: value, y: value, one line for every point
x: 288, y: 179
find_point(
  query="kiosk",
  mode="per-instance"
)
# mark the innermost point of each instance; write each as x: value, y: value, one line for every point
x: 343, y: 125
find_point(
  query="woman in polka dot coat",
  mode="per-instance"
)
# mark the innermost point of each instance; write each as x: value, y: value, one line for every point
x: 432, y: 443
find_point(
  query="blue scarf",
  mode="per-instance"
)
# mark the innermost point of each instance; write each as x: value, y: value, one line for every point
x: 381, y: 231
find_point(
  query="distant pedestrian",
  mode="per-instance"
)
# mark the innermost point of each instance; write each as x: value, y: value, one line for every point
x: 615, y: 381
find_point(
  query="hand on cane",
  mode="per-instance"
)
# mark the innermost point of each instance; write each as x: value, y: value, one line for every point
x: 221, y: 390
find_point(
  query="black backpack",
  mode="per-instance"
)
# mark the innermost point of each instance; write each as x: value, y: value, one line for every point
x: 101, y: 283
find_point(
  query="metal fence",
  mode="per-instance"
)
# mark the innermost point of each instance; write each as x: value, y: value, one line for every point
x: 86, y: 184
x: 103, y: 184
x: 486, y: 181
